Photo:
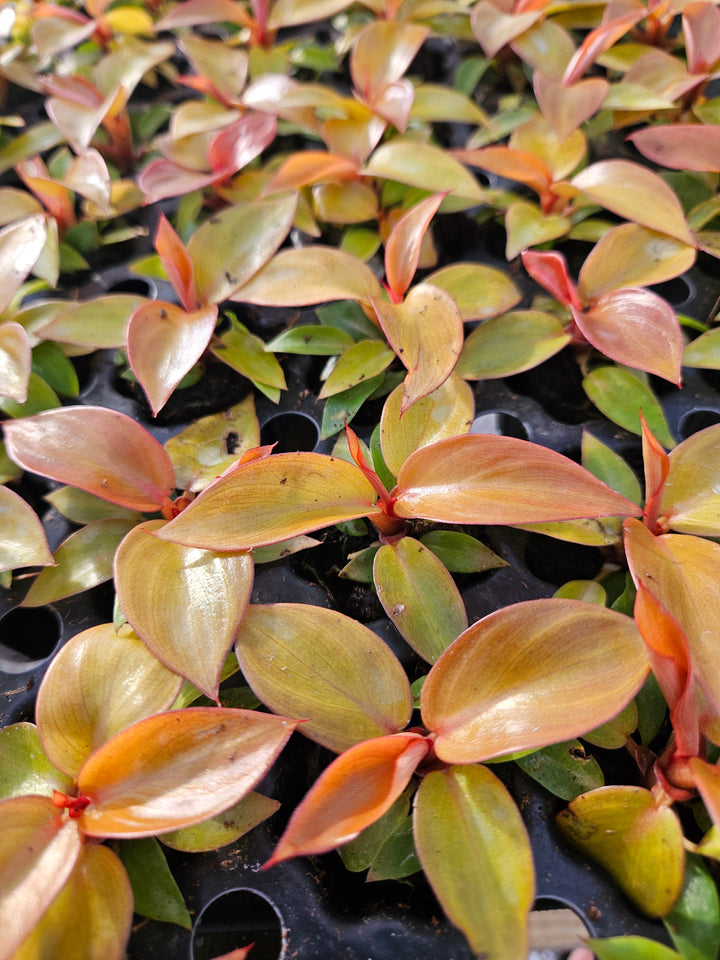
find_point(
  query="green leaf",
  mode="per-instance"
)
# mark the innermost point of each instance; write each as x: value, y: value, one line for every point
x: 510, y: 344
x: 631, y: 948
x: 704, y: 351
x: 229, y: 826
x: 460, y: 552
x: 397, y: 857
x: 589, y: 590
x: 564, y: 769
x: 245, y: 352
x: 614, y: 734
x: 694, y: 921
x: 419, y: 596
x: 609, y: 467
x: 24, y: 766
x: 40, y: 397
x: 349, y: 316
x: 651, y: 708
x: 55, y: 368
x: 341, y: 408
x: 360, y: 565
x: 156, y: 893
x: 381, y: 468
x: 315, y: 340
x: 476, y: 854
x: 361, y: 362
x: 360, y: 853
x: 622, y: 396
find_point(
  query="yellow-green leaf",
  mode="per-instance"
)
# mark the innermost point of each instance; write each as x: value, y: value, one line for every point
x: 476, y: 854
x: 24, y: 766
x: 24, y: 543
x: 318, y: 664
x: 246, y: 353
x: 91, y: 917
x: 272, y: 499
x: 82, y: 507
x: 82, y: 561
x: 100, y: 683
x: 478, y: 290
x: 639, y: 843
x: 419, y: 596
x: 621, y: 396
x: 185, y: 604
x: 176, y: 769
x: 427, y: 167
x: 98, y: 324
x: 509, y: 344
x: 38, y: 850
x: 446, y: 412
x: 527, y: 226
x: 691, y: 498
x: 529, y: 675
x: 359, y: 362
x: 15, y: 361
x: 225, y: 828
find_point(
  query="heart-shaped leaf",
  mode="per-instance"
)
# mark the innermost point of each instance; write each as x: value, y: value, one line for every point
x: 99, y: 450
x: 100, y: 683
x: 353, y: 792
x: 176, y: 769
x: 347, y: 692
x: 381, y: 54
x: 634, y: 193
x: 164, y: 343
x: 476, y: 854
x: 24, y: 543
x: 567, y: 106
x: 272, y: 499
x: 492, y: 691
x: 426, y: 333
x: 419, y: 596
x: 638, y: 842
x: 91, y: 916
x: 172, y: 595
x: 230, y: 247
x: 15, y: 361
x: 446, y: 412
x: 38, y: 850
x: 481, y: 478
x: 618, y: 321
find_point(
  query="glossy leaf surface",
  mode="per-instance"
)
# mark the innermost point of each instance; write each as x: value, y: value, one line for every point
x: 311, y: 275
x: 476, y: 854
x: 15, y: 361
x: 478, y: 290
x: 24, y: 543
x: 176, y: 263
x: 82, y: 561
x: 639, y: 844
x: 509, y: 344
x: 621, y: 395
x: 21, y: 244
x: 347, y: 690
x: 402, y: 250
x: 164, y: 343
x: 446, y: 412
x: 24, y: 766
x: 99, y: 683
x: 91, y: 917
x: 99, y: 450
x: 98, y: 324
x: 176, y: 769
x: 635, y: 193
x: 272, y: 499
x: 185, y: 604
x: 353, y: 792
x: 680, y: 146
x: 489, y: 479
x: 225, y: 828
x: 38, y: 849
x: 155, y: 892
x: 419, y: 596
x: 529, y: 675
x: 234, y: 244
x: 361, y: 361
x: 690, y: 500
x: 564, y: 769
x: 427, y: 167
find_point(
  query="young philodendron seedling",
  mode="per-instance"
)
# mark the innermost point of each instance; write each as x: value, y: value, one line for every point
x: 102, y: 764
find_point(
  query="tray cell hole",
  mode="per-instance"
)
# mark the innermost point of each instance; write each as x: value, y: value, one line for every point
x: 677, y: 292
x: 28, y: 637
x: 555, y: 929
x: 236, y: 919
x: 290, y: 432
x: 698, y: 420
x: 499, y: 423
x: 136, y: 285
